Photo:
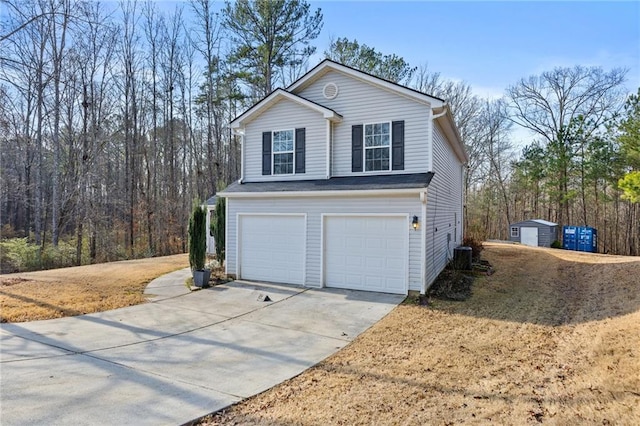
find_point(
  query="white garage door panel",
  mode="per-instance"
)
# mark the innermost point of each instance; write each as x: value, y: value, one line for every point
x: 366, y: 253
x: 529, y: 236
x: 272, y: 248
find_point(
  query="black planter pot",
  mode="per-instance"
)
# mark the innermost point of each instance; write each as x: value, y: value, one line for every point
x: 201, y: 277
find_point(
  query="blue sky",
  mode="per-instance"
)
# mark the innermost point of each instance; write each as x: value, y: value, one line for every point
x: 491, y: 45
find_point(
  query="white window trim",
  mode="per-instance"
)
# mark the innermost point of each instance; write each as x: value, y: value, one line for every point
x: 273, y: 153
x: 515, y: 234
x: 364, y: 147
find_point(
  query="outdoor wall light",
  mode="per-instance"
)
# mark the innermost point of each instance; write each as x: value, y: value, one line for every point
x: 415, y: 223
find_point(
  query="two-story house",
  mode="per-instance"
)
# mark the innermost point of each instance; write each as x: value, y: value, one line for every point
x: 347, y: 181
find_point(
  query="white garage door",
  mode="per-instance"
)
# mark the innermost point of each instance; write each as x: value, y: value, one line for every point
x: 271, y: 248
x: 529, y: 236
x: 366, y: 253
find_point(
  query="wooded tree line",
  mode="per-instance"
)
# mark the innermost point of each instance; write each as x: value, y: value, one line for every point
x: 114, y: 118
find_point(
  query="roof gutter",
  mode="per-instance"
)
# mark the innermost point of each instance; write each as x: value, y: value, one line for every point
x: 444, y: 111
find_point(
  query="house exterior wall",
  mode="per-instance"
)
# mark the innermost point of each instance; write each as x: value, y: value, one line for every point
x: 362, y: 103
x: 444, y: 207
x: 314, y: 207
x: 286, y: 115
x: 546, y: 234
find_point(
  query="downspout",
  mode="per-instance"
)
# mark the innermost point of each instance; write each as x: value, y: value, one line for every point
x: 444, y: 111
x: 241, y: 133
x: 433, y: 120
x: 423, y: 244
x: 328, y: 159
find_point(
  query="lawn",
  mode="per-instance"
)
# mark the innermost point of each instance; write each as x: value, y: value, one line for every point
x: 80, y: 290
x: 553, y: 337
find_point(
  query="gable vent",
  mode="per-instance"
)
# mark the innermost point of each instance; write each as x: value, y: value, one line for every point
x: 330, y: 91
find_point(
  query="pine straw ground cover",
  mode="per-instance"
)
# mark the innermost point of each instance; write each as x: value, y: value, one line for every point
x: 80, y: 290
x: 552, y: 337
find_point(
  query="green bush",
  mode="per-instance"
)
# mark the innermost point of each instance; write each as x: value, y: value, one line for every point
x: 556, y: 244
x: 218, y: 228
x: 19, y: 255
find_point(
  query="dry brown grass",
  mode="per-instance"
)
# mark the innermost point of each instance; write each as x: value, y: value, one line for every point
x: 80, y: 290
x: 553, y: 336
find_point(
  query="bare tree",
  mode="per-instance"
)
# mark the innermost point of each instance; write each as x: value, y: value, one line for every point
x: 563, y: 101
x: 495, y: 127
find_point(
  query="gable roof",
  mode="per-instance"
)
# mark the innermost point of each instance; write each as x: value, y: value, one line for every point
x: 327, y: 65
x: 413, y: 182
x: 438, y: 105
x: 275, y: 97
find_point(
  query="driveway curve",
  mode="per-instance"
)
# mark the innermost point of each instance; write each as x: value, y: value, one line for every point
x: 179, y: 357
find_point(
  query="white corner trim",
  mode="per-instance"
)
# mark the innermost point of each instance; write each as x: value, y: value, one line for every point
x: 423, y: 244
x: 430, y: 139
x: 226, y: 240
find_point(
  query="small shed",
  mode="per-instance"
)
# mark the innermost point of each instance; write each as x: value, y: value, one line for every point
x: 211, y: 208
x: 534, y: 232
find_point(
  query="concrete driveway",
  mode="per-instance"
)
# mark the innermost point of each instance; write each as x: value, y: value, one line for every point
x: 178, y: 358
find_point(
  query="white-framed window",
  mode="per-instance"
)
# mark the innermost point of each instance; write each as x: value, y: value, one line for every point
x: 515, y: 231
x: 283, y: 152
x: 377, y: 147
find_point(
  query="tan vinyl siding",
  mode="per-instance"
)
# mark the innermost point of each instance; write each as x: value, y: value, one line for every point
x: 314, y: 208
x: 286, y: 115
x: 444, y: 206
x: 362, y: 103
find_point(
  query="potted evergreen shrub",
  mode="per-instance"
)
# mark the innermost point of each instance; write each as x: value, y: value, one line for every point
x: 198, y: 246
x: 218, y: 229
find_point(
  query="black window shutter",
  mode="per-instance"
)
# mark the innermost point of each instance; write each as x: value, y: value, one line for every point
x: 397, y: 145
x: 356, y: 148
x: 300, y: 150
x: 266, y: 153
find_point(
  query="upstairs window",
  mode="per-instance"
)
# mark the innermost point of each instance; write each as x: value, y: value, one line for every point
x: 283, y: 152
x: 377, y: 143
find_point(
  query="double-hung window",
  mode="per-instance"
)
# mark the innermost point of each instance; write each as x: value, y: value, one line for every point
x: 515, y: 231
x: 377, y: 146
x: 283, y: 152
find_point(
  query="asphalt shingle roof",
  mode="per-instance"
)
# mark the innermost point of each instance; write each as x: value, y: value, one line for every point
x: 348, y: 183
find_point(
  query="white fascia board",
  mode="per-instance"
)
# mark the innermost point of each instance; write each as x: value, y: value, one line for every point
x: 326, y: 65
x: 309, y: 194
x: 275, y: 97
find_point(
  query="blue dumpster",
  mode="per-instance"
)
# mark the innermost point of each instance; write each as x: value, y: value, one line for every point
x: 570, y: 237
x: 587, y: 239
